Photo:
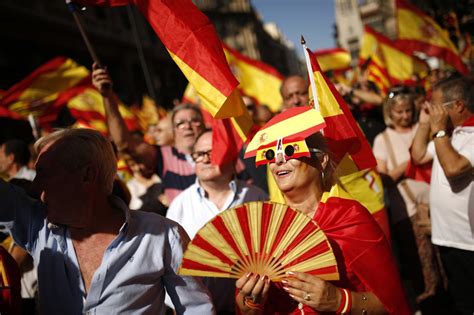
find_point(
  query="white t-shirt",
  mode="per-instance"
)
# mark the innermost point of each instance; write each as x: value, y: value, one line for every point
x: 400, y: 143
x: 450, y: 210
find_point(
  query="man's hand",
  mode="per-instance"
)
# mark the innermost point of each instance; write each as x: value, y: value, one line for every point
x: 101, y: 80
x: 438, y: 117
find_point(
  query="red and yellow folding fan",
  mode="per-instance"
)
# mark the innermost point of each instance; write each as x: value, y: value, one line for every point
x: 261, y: 237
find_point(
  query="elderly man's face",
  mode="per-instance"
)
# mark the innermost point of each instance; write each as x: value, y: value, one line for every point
x: 205, y: 170
x: 187, y: 125
x: 64, y: 192
x: 294, y: 92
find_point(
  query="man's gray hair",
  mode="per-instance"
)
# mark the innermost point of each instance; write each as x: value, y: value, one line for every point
x: 457, y: 88
x: 84, y: 146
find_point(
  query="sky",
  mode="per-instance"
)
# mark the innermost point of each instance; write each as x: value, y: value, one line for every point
x: 314, y: 19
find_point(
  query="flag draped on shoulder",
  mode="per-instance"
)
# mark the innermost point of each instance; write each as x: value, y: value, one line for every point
x: 342, y: 132
x: 417, y: 31
x: 193, y: 44
x: 42, y: 93
x: 335, y: 59
x: 394, y: 65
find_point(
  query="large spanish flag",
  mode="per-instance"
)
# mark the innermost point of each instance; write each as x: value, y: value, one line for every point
x: 87, y: 107
x: 417, y: 31
x: 192, y: 42
x: 335, y: 59
x: 399, y: 67
x: 41, y: 92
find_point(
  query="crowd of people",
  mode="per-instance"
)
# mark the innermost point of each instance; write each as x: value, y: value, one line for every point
x: 102, y: 244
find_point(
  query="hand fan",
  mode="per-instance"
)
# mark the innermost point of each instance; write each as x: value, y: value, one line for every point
x: 261, y: 237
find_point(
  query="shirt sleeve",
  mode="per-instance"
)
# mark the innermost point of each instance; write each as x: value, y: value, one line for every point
x: 188, y: 294
x: 468, y: 150
x: 380, y: 151
x: 22, y: 215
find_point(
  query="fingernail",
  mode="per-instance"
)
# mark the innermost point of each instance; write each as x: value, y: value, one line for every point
x: 264, y: 278
x: 248, y: 274
x: 284, y: 281
x: 268, y: 281
x: 257, y: 277
x: 286, y: 288
x: 291, y: 273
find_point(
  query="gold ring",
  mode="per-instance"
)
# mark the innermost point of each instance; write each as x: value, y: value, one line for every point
x: 307, y: 297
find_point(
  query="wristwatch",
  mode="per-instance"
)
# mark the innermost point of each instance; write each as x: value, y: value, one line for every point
x: 439, y: 134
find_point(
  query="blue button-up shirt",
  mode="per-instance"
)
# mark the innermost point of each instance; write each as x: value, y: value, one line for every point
x: 137, y: 267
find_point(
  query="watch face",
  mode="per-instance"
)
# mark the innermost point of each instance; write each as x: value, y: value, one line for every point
x: 440, y: 134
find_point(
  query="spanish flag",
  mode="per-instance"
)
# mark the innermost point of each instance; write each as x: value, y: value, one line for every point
x: 41, y: 93
x: 417, y: 31
x: 87, y: 107
x: 342, y: 132
x: 399, y: 67
x: 335, y: 59
x: 351, y: 151
x: 192, y: 42
x: 257, y: 79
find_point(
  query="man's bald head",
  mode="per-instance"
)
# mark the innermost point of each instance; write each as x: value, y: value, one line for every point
x: 294, y: 91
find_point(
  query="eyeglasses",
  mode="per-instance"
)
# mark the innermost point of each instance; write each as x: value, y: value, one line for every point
x: 289, y: 150
x: 446, y: 103
x: 194, y: 122
x: 198, y: 156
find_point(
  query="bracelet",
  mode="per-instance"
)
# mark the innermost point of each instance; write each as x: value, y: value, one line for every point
x: 346, y: 302
x: 249, y: 302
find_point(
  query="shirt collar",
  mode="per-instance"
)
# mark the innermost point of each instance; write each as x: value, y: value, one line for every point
x: 233, y: 185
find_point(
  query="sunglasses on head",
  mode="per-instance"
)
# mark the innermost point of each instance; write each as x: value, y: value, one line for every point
x: 399, y: 90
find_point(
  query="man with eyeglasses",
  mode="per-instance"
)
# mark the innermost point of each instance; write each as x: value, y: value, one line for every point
x: 173, y: 164
x: 215, y: 190
x: 452, y: 186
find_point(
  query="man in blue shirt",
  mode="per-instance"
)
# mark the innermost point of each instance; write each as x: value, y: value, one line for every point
x: 92, y: 253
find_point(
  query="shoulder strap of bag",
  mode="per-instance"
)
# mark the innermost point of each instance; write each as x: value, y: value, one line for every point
x: 391, y: 156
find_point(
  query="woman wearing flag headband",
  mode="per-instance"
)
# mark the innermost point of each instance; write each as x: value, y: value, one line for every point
x: 301, y: 165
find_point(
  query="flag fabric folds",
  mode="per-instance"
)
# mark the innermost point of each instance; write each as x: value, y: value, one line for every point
x: 87, y: 107
x: 257, y: 79
x: 417, y: 31
x: 42, y: 93
x: 342, y: 132
x: 335, y: 59
x: 192, y: 42
x: 388, y: 64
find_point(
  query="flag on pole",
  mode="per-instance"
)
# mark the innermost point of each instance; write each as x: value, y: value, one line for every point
x: 342, y: 132
x: 335, y: 59
x: 193, y: 44
x: 257, y: 79
x: 398, y: 67
x: 417, y: 31
x: 42, y: 92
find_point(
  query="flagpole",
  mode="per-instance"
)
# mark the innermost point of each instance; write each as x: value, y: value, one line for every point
x: 73, y: 9
x: 310, y: 74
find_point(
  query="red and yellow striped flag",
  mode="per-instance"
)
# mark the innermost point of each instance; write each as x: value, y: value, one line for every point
x: 192, y: 42
x: 40, y: 93
x: 398, y: 67
x: 335, y: 59
x: 342, y: 132
x: 88, y: 109
x: 417, y: 31
x: 257, y: 79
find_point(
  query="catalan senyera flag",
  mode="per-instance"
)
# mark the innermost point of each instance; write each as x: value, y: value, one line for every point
x: 257, y: 79
x: 192, y: 42
x: 87, y: 107
x: 335, y: 59
x: 417, y: 31
x: 399, y: 67
x: 41, y: 92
